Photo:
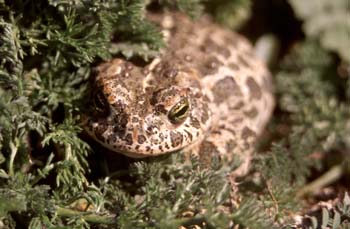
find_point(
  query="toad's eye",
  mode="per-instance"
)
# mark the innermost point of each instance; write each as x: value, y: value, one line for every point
x: 179, y: 112
x: 101, y: 104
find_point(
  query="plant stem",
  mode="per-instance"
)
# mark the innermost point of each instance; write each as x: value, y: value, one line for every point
x: 327, y: 178
x: 14, y: 148
x: 87, y: 216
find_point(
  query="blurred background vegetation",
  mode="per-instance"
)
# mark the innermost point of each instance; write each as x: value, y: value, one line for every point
x: 53, y: 176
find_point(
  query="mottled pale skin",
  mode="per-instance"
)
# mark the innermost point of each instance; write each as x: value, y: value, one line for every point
x: 226, y: 90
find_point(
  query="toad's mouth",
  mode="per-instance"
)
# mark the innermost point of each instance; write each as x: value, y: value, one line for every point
x: 139, y: 145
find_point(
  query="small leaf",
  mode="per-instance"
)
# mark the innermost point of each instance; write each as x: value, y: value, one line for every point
x: 325, y: 218
x: 336, y: 220
x: 314, y: 222
x: 346, y: 199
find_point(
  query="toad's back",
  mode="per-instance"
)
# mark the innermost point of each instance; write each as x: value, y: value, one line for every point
x: 206, y: 93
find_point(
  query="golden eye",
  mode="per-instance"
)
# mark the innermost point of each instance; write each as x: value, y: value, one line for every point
x: 179, y: 112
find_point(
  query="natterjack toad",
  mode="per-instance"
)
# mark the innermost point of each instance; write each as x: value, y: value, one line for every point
x: 206, y: 93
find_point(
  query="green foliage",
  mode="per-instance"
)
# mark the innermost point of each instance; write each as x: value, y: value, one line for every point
x: 232, y: 13
x: 71, y: 170
x: 46, y: 48
x: 171, y: 193
x: 336, y: 217
x: 327, y: 21
x: 18, y: 195
x: 322, y: 112
x: 317, y: 122
x: 190, y: 7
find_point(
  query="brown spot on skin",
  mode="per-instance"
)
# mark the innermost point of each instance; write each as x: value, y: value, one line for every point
x: 151, y: 82
x: 134, y: 119
x: 207, y: 152
x: 189, y: 135
x: 112, y: 138
x: 128, y: 139
x: 232, y: 39
x: 160, y: 148
x: 230, y: 145
x: 238, y: 106
x: 205, y: 113
x: 155, y: 141
x: 167, y: 146
x: 209, y: 66
x: 116, y: 129
x: 237, y: 120
x: 195, y: 84
x: 151, y: 130
x: 254, y: 88
x: 247, y: 132
x: 148, y: 89
x: 160, y: 109
x: 195, y: 123
x: 210, y: 46
x: 170, y: 73
x: 229, y: 130
x: 225, y: 88
x: 148, y: 148
x: 225, y: 52
x: 252, y: 113
x: 161, y: 136
x: 243, y: 61
x: 176, y: 138
x: 121, y: 117
x: 234, y: 66
x: 141, y: 139
x: 246, y: 145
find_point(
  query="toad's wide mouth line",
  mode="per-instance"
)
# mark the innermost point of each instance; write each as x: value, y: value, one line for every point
x: 138, y: 155
x: 145, y: 150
